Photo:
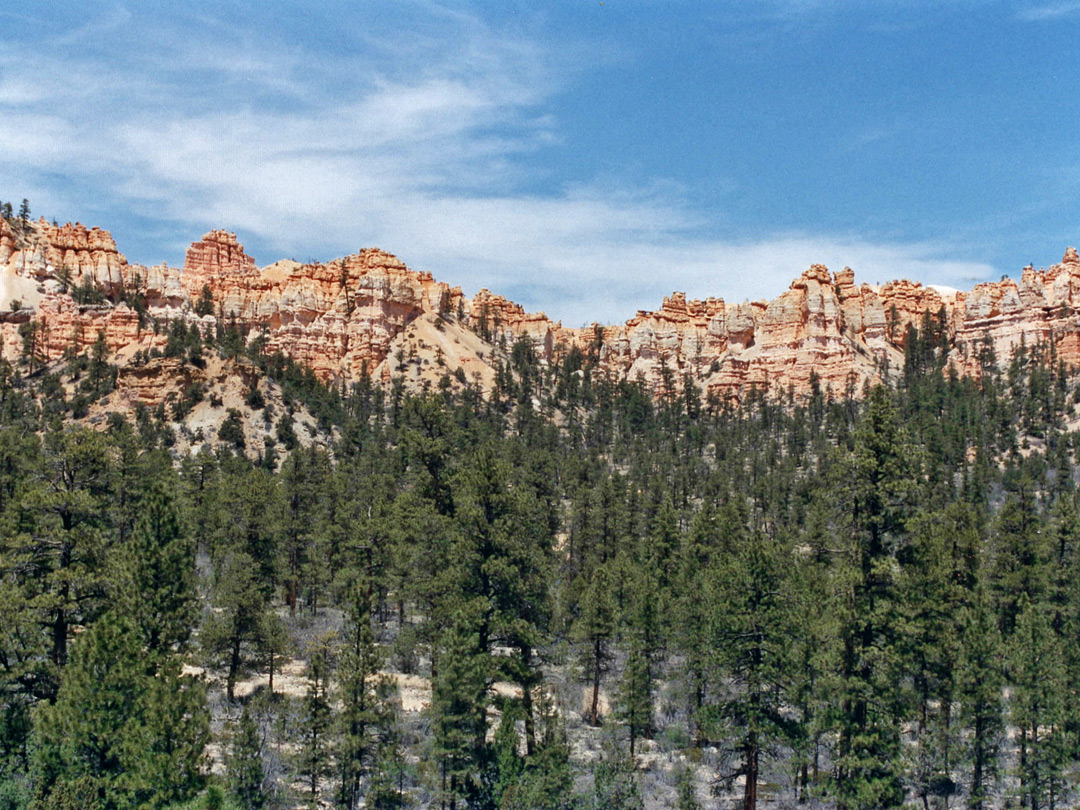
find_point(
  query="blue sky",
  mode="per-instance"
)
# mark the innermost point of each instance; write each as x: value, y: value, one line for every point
x: 582, y: 158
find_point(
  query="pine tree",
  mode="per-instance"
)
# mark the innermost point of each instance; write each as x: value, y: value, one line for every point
x: 245, y: 506
x: 232, y: 429
x: 1037, y: 706
x: 870, y: 703
x: 100, y: 374
x: 458, y: 706
x: 635, y: 695
x: 316, y: 737
x: 686, y: 790
x: 138, y: 739
x: 25, y: 675
x: 81, y: 735
x: 690, y: 617
x: 751, y: 623
x: 22, y: 670
x: 156, y: 577
x: 504, y: 559
x: 661, y: 548
x: 303, y: 476
x: 505, y: 764
x: 234, y: 632
x: 815, y: 651
x: 938, y: 576
x: 546, y: 780
x: 1022, y: 553
x: 385, y: 791
x: 386, y: 787
x: 244, y: 766
x: 979, y: 689
x: 1066, y: 601
x: 593, y: 630
x: 361, y: 710
x: 615, y: 786
x: 205, y: 304
x: 638, y: 685
x: 165, y: 751
x: 58, y: 553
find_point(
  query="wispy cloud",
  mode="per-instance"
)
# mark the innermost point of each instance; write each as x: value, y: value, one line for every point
x: 1048, y: 11
x: 422, y: 148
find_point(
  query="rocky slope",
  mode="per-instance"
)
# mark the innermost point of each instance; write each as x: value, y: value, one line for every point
x: 369, y: 313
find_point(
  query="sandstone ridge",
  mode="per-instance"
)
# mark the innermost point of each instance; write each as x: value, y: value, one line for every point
x: 368, y: 313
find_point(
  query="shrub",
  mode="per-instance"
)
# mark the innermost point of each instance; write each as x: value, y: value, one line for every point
x: 232, y: 429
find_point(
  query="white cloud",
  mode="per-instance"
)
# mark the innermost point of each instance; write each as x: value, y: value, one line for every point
x: 1048, y: 11
x: 423, y: 151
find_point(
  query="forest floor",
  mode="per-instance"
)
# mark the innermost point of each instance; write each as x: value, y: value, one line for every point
x: 658, y: 760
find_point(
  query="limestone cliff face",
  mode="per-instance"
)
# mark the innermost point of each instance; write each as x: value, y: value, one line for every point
x: 337, y: 318
x: 63, y: 254
x: 501, y: 320
x: 41, y: 264
x: 1041, y: 308
x: 218, y: 254
x: 822, y: 325
x: 369, y: 312
x: 844, y: 335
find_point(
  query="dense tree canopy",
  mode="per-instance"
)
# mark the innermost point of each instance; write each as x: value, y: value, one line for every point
x: 858, y: 601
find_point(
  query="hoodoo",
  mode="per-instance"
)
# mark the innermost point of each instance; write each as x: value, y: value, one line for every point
x: 354, y: 316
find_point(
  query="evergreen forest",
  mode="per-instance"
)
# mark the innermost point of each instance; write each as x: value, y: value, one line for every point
x: 568, y: 592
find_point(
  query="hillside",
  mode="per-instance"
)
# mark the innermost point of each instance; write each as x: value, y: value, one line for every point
x: 338, y: 536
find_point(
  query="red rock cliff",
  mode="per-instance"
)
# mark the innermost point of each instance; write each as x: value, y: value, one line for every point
x: 351, y: 314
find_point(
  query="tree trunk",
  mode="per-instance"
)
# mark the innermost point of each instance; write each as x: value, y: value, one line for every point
x: 314, y: 768
x: 290, y: 596
x: 750, y: 790
x: 234, y: 667
x: 977, y: 770
x: 594, y: 718
x: 60, y: 621
x: 1035, y: 775
x: 530, y: 721
x: 1023, y: 761
x: 699, y: 701
x: 59, y: 633
x: 947, y: 754
x: 843, y: 747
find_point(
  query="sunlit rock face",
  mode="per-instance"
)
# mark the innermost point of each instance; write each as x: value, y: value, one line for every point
x: 338, y: 318
x: 368, y: 313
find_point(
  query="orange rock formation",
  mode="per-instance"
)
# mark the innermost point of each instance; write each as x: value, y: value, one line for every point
x: 350, y: 315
